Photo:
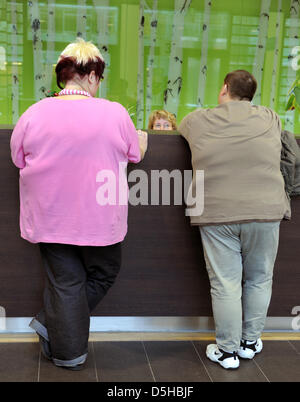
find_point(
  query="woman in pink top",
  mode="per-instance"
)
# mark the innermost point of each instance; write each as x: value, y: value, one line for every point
x: 72, y: 151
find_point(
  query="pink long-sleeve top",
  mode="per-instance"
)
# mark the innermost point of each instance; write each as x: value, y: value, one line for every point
x: 72, y: 156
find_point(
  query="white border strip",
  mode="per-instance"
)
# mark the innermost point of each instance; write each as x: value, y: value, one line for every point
x: 148, y: 324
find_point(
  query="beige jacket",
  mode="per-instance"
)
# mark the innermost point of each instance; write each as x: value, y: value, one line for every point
x: 238, y: 146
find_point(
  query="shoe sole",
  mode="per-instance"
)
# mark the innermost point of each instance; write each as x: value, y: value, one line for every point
x: 72, y: 368
x: 248, y: 358
x: 229, y: 368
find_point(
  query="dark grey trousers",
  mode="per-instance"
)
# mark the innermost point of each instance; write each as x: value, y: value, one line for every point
x: 77, y: 278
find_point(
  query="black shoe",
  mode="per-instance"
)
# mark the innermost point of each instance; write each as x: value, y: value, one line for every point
x: 45, y: 348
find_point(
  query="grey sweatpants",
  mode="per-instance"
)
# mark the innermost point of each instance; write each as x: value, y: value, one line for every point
x: 240, y: 260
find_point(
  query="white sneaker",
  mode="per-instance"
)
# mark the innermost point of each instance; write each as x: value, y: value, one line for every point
x: 249, y: 349
x: 226, y: 360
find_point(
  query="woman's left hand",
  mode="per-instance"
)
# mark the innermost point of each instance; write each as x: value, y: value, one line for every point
x: 143, y: 142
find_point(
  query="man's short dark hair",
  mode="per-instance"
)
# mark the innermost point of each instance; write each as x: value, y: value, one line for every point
x: 241, y: 85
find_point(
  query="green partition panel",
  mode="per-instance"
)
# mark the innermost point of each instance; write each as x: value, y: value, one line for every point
x: 166, y: 54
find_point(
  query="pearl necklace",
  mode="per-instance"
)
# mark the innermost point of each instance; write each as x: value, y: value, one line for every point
x: 73, y: 92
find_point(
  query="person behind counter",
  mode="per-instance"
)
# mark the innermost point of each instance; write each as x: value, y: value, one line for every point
x: 238, y: 147
x: 60, y: 145
x: 162, y: 120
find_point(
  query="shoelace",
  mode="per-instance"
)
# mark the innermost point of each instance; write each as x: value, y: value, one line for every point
x: 245, y: 345
x: 226, y: 355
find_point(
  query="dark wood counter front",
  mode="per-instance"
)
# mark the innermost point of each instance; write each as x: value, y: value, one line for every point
x: 163, y: 272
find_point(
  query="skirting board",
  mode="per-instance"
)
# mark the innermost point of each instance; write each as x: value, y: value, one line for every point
x: 11, y: 325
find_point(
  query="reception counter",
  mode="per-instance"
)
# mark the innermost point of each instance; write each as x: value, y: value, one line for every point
x: 163, y: 271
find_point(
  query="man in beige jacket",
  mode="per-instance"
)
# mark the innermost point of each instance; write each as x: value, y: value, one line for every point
x: 238, y: 147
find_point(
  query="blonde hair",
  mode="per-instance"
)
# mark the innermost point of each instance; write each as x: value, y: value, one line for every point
x: 81, y: 51
x: 162, y: 114
x: 80, y: 58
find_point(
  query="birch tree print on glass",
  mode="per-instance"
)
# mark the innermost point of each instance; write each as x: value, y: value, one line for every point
x: 14, y: 58
x: 258, y: 66
x: 293, y: 40
x: 150, y: 64
x: 38, y: 68
x: 276, y: 55
x: 50, y: 53
x: 81, y: 19
x: 204, y: 49
x: 102, y: 11
x: 140, y: 76
x: 172, y: 92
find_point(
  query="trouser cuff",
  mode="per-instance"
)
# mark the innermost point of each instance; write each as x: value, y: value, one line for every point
x: 39, y: 328
x: 70, y: 363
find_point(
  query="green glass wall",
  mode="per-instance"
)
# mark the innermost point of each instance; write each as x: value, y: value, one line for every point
x: 161, y: 54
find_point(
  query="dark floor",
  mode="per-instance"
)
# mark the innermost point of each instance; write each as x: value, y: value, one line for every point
x: 155, y: 361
